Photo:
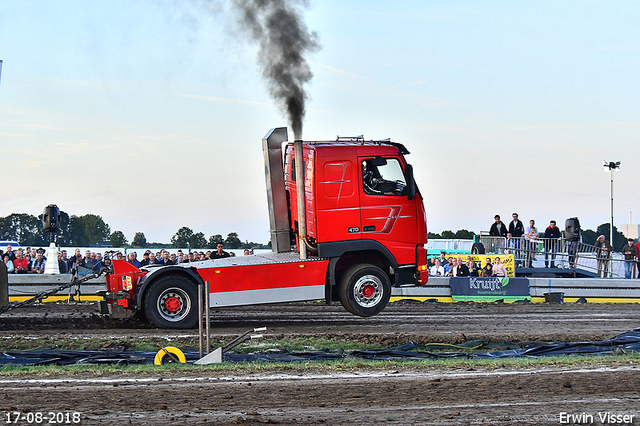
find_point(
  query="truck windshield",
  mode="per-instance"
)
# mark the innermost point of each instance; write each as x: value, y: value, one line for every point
x: 383, y: 179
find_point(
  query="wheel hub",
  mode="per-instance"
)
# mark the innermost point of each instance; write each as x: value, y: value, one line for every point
x: 368, y: 291
x: 173, y: 304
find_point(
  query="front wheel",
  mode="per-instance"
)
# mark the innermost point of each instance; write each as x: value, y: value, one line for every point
x: 364, y: 290
x: 172, y: 302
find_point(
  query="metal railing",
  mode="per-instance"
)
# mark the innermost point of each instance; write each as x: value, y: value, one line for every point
x: 557, y: 253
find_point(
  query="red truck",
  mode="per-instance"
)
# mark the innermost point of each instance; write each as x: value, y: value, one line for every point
x: 365, y: 232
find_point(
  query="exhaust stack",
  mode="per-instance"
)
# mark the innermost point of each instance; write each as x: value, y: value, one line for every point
x: 276, y: 195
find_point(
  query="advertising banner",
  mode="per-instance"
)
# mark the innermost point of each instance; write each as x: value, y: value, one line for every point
x: 480, y: 260
x: 489, y: 289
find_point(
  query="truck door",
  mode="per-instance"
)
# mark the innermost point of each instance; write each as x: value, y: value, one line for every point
x: 387, y: 214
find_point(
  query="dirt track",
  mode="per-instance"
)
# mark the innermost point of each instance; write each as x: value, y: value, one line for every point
x: 409, y: 396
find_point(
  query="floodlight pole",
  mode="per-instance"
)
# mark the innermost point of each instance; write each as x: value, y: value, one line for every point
x: 612, y: 166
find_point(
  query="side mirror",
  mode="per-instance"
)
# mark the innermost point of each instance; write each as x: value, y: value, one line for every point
x: 411, y: 183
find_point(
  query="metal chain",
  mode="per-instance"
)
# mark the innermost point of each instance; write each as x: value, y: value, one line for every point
x: 44, y: 294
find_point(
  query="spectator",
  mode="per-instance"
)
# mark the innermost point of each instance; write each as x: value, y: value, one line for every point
x: 173, y: 258
x: 437, y: 270
x: 73, y: 259
x: 471, y: 266
x: 220, y: 253
x: 551, y: 234
x: 66, y: 261
x: 453, y: 267
x: 498, y: 269
x: 498, y: 228
x: 152, y: 259
x: 516, y: 229
x: 638, y: 250
x: 510, y: 244
x: 603, y: 253
x: 145, y: 258
x: 487, y: 271
x: 62, y: 265
x: 39, y: 264
x: 93, y: 263
x: 79, y: 261
x: 443, y: 259
x: 531, y: 233
x: 448, y: 268
x: 629, y: 251
x: 461, y: 269
x: 9, y: 263
x: 131, y: 258
x: 20, y: 264
x: 446, y: 265
x: 10, y: 252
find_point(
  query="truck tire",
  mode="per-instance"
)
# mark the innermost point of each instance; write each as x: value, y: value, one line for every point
x: 477, y: 248
x: 172, y: 302
x: 364, y: 290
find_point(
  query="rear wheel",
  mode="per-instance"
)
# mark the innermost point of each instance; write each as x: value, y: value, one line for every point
x: 477, y: 248
x: 364, y: 290
x: 172, y: 302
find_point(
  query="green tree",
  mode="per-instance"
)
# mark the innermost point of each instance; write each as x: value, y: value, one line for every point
x: 24, y: 228
x: 214, y: 240
x: 197, y: 240
x: 88, y: 229
x: 463, y: 234
x: 117, y: 239
x: 432, y: 236
x: 232, y: 241
x: 619, y: 240
x: 182, y: 238
x: 589, y: 236
x: 448, y: 235
x: 63, y: 237
x: 139, y: 240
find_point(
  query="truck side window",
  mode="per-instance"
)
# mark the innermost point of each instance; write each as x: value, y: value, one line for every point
x: 383, y: 177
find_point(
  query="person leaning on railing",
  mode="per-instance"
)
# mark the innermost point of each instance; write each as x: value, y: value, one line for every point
x: 603, y: 253
x: 629, y: 251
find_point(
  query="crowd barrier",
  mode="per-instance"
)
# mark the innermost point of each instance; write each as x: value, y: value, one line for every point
x: 559, y: 252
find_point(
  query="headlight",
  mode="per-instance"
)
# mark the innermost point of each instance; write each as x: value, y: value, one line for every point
x: 127, y: 283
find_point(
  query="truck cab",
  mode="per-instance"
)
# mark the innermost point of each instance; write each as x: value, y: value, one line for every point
x: 362, y: 207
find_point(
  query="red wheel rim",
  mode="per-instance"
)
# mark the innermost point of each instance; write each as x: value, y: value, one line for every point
x: 173, y: 304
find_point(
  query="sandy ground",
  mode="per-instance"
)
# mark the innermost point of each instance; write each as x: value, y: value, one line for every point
x: 407, y: 396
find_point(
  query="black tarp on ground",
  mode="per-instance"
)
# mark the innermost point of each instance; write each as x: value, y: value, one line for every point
x: 625, y: 342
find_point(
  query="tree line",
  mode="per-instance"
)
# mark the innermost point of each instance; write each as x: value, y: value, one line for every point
x: 90, y: 229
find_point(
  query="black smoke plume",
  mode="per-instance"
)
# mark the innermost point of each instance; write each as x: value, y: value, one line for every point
x: 283, y: 38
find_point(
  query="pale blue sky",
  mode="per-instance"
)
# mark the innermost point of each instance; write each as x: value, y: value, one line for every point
x: 151, y: 113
